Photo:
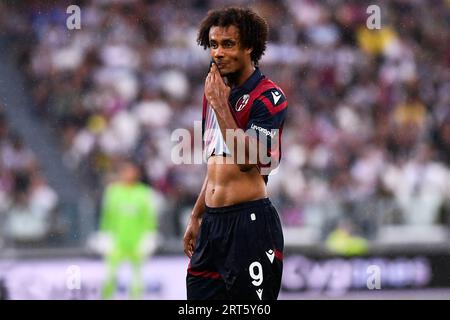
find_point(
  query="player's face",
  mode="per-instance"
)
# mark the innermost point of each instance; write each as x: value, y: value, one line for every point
x: 226, y: 51
x: 129, y: 173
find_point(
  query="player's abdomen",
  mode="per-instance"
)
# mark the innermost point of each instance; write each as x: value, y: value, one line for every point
x: 228, y: 185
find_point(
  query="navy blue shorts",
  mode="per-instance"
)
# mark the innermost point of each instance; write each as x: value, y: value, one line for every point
x: 238, y: 253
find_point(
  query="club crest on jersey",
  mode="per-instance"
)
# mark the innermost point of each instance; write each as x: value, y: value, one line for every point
x: 242, y: 102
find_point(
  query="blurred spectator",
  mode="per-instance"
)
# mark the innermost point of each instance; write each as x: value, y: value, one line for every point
x: 27, y: 203
x: 343, y: 241
x: 420, y: 187
x: 441, y: 137
x: 30, y: 213
x: 16, y: 156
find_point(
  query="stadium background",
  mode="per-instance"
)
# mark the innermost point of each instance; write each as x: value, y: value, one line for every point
x: 364, y: 178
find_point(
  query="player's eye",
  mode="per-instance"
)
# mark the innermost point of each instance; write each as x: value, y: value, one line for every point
x: 213, y: 45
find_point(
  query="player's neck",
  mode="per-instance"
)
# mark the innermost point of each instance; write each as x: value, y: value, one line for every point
x: 129, y: 183
x: 238, y: 79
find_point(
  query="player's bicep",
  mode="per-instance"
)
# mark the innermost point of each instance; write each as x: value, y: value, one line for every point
x: 263, y: 124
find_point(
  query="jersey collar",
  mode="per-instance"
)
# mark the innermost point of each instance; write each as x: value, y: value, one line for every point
x: 250, y: 83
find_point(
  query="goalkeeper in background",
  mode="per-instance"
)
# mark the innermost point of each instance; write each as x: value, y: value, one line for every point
x: 129, y: 222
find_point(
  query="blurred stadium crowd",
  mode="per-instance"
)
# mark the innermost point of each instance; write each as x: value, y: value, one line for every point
x: 366, y: 143
x: 28, y: 205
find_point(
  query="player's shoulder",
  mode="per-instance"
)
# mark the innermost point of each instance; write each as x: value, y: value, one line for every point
x: 271, y: 95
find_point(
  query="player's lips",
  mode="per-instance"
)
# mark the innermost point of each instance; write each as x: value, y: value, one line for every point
x: 221, y: 65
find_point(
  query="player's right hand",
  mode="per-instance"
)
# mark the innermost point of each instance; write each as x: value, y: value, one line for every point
x: 190, y: 236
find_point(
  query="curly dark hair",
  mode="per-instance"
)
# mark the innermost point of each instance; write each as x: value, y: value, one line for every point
x: 253, y: 29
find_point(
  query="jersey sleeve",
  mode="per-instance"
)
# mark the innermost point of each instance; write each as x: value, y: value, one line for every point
x: 266, y: 120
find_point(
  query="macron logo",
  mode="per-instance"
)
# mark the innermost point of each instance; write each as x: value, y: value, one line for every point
x: 270, y: 254
x: 276, y: 97
x: 259, y: 293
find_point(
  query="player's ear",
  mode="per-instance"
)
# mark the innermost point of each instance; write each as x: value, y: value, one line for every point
x: 248, y: 50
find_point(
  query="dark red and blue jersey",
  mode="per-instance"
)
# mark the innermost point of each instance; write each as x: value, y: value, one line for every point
x: 259, y: 108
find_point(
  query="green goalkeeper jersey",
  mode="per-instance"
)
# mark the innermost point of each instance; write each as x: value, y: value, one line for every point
x: 128, y: 213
